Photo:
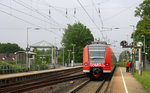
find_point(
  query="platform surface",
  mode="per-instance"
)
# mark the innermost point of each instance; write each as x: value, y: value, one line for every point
x: 6, y: 76
x: 124, y: 82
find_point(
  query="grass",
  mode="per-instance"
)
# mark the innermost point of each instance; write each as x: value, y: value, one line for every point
x: 144, y: 79
x: 121, y: 64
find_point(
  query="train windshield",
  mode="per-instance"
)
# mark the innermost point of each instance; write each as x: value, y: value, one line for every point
x: 97, y: 54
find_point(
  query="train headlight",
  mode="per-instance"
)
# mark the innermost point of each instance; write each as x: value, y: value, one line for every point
x: 106, y: 64
x: 85, y: 64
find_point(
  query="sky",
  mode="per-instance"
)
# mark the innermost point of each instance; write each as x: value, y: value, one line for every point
x: 52, y: 17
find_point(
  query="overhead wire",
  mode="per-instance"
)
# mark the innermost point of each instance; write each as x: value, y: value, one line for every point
x: 27, y: 21
x: 44, y: 15
x: 37, y: 11
x: 18, y: 18
x: 99, y: 13
x: 74, y: 15
x: 65, y: 13
x: 34, y: 10
x: 100, y: 18
x: 91, y: 18
x: 26, y: 13
x: 117, y: 14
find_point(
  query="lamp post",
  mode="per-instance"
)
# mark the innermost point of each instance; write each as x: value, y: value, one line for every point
x: 28, y: 49
x: 73, y: 54
x: 133, y: 56
x: 144, y: 42
x: 28, y: 36
x: 140, y: 44
x: 69, y: 56
x: 144, y: 60
x: 63, y: 59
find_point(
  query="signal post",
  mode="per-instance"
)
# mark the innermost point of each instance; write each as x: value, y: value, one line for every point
x: 139, y: 45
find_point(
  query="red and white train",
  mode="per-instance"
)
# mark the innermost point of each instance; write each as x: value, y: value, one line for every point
x: 98, y: 59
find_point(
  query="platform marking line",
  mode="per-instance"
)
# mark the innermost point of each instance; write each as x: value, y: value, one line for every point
x: 124, y: 83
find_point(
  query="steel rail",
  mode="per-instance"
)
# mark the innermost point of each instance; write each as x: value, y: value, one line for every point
x: 102, y: 88
x: 45, y: 83
x: 41, y: 80
x: 43, y: 75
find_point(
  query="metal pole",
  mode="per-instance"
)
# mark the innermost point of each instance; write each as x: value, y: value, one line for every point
x: 72, y: 62
x: 144, y: 59
x: 144, y: 54
x: 52, y: 56
x: 27, y: 59
x: 69, y: 56
x: 27, y: 38
x: 27, y: 49
x: 57, y: 55
x: 133, y: 59
x: 28, y: 34
x: 140, y: 62
x: 73, y: 53
x: 144, y: 44
x: 63, y: 58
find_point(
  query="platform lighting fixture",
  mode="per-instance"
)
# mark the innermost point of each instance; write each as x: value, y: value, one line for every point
x: 28, y: 49
x: 28, y: 35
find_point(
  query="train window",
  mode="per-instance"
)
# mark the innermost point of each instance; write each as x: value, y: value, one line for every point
x: 96, y: 54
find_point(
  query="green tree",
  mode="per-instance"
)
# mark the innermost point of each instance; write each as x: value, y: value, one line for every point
x: 143, y: 9
x: 124, y: 56
x: 143, y: 26
x: 46, y: 59
x: 79, y: 35
x: 9, y: 48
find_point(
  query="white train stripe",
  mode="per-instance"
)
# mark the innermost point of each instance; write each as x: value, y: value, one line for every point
x: 86, y: 70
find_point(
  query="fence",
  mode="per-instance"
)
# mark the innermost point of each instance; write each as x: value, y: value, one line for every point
x: 7, y: 68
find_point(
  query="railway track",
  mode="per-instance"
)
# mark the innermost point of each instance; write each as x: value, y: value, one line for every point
x: 89, y: 87
x: 27, y: 78
x: 22, y: 86
x: 48, y: 75
x: 97, y: 86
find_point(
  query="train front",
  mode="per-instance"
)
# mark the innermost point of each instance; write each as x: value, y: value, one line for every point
x: 93, y: 60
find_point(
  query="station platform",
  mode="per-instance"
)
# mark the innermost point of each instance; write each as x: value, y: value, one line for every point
x: 124, y: 82
x: 14, y: 75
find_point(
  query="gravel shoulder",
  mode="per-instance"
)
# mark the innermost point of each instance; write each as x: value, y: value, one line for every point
x: 59, y: 88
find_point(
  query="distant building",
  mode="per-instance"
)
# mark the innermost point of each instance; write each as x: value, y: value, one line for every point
x: 8, y: 57
x: 25, y: 58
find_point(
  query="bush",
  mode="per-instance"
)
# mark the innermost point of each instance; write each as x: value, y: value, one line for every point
x: 6, y: 68
x: 39, y: 67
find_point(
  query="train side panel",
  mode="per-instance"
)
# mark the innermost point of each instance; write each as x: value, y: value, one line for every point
x: 107, y: 68
x: 113, y: 61
x: 86, y: 65
x: 110, y: 61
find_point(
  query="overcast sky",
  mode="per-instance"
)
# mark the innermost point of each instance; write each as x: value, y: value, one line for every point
x: 50, y: 16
